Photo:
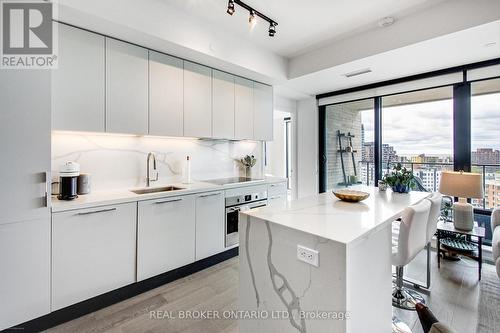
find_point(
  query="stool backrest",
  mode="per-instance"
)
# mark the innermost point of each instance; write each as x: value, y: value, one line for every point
x: 435, y: 212
x: 413, y: 231
x: 495, y: 218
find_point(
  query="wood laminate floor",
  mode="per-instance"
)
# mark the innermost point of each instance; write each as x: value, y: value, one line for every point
x: 453, y: 298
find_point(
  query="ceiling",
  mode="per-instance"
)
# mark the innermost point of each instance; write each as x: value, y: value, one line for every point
x: 459, y: 48
x: 303, y: 25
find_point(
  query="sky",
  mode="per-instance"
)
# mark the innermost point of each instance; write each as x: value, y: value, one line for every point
x: 427, y: 127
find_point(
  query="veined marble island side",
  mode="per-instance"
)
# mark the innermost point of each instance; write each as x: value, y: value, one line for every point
x: 349, y: 291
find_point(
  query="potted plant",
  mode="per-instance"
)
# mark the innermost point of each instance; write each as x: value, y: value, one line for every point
x: 248, y: 162
x: 400, y: 179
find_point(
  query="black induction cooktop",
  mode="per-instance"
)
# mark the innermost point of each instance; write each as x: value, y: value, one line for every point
x: 232, y: 180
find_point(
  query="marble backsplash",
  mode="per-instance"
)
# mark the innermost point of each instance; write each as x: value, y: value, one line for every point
x: 119, y: 161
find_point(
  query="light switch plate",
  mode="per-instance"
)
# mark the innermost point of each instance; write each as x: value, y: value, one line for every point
x: 308, y: 255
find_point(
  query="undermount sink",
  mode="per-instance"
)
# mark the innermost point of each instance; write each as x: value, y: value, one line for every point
x: 157, y: 189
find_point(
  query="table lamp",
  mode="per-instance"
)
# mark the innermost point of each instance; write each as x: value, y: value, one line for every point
x: 463, y: 185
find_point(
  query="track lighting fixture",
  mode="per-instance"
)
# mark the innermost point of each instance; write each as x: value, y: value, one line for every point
x: 252, y: 19
x: 230, y: 7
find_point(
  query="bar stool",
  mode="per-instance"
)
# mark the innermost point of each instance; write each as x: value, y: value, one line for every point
x: 411, y: 239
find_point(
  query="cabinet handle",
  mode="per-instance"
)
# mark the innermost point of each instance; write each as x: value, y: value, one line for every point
x: 167, y: 201
x: 209, y: 195
x: 47, y: 189
x: 276, y: 197
x: 97, y: 211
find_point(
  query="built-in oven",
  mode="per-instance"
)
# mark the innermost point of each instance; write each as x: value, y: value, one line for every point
x: 237, y: 204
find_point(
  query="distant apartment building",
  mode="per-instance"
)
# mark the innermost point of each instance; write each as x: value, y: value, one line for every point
x: 486, y: 156
x: 388, y: 153
x: 492, y: 192
x: 430, y: 177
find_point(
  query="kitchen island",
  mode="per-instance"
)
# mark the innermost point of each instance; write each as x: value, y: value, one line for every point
x: 349, y: 290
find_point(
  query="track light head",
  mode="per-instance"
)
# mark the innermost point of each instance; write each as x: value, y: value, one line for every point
x: 272, y: 29
x: 251, y: 18
x: 230, y: 7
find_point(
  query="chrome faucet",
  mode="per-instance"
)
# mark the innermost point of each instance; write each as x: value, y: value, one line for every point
x: 148, y: 176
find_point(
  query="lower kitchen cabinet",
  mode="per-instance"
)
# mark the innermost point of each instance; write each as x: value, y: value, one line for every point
x: 277, y: 194
x: 165, y: 235
x: 93, y: 252
x: 24, y: 271
x: 209, y: 224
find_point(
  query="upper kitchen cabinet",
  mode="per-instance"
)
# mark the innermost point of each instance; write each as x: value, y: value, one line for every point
x: 166, y: 95
x: 126, y: 88
x: 197, y: 100
x: 243, y: 109
x: 78, y: 82
x: 263, y: 112
x: 223, y: 105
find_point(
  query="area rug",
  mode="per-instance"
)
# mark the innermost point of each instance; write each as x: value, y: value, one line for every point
x: 489, y: 303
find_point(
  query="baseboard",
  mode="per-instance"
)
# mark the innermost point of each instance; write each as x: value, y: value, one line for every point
x: 99, y: 302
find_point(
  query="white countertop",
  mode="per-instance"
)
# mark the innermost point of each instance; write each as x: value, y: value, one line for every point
x: 326, y: 216
x: 113, y: 197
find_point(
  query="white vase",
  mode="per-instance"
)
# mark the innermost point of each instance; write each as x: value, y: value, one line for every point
x: 248, y: 172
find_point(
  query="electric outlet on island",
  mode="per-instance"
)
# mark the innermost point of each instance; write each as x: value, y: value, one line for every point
x: 308, y: 255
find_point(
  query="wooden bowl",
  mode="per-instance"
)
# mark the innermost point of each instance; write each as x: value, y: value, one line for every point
x: 351, y: 195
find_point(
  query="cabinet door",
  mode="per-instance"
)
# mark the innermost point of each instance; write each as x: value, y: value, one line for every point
x: 197, y: 100
x: 25, y: 99
x: 165, y: 239
x: 277, y: 194
x: 126, y: 88
x: 263, y: 112
x: 223, y: 105
x: 166, y: 99
x: 93, y: 252
x: 25, y: 271
x: 209, y: 224
x: 78, y: 82
x: 243, y: 109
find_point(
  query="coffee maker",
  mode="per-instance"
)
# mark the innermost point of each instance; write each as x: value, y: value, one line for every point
x: 68, y: 181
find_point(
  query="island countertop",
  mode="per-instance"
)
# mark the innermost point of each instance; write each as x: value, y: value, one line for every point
x: 326, y: 216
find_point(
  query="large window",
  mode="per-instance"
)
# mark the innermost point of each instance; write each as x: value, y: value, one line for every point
x: 485, y: 143
x: 349, y: 136
x: 417, y: 131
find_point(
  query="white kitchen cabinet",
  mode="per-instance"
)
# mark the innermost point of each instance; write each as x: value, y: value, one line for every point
x: 243, y: 109
x: 25, y: 271
x: 277, y: 194
x: 197, y: 100
x: 166, y: 95
x: 78, y: 81
x: 209, y: 224
x: 126, y: 88
x: 263, y: 112
x: 25, y: 97
x: 165, y: 235
x: 93, y: 252
x: 223, y: 105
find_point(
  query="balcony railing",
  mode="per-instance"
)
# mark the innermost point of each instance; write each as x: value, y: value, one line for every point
x: 487, y: 171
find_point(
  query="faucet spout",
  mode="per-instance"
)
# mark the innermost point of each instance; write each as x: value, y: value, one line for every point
x: 149, y: 179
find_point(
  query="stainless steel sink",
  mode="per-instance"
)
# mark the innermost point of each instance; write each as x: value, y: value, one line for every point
x: 157, y: 189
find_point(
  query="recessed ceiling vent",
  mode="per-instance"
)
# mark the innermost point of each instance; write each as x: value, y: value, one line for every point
x: 386, y: 22
x: 358, y: 72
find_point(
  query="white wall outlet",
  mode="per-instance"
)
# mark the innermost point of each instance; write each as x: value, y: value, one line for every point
x: 308, y: 255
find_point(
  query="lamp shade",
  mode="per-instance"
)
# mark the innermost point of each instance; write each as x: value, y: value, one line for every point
x: 461, y: 184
